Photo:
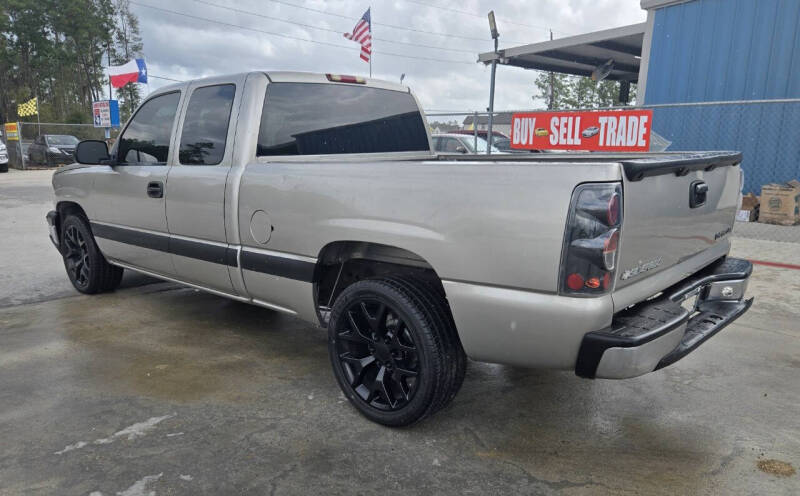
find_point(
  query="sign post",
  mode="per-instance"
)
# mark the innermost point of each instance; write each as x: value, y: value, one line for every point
x: 598, y: 130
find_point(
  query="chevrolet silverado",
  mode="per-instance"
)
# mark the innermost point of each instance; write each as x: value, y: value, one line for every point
x: 319, y: 196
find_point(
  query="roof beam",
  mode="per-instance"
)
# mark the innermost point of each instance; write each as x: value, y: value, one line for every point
x: 543, y: 66
x: 618, y: 47
x: 569, y: 57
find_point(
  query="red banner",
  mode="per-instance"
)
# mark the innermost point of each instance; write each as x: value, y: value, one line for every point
x: 601, y: 130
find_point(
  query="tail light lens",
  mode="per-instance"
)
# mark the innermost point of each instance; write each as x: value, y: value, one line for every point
x: 589, y: 259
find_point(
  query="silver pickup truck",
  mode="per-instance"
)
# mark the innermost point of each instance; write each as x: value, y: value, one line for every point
x: 319, y: 196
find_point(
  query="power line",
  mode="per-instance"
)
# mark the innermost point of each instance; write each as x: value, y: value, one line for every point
x: 250, y: 12
x: 281, y: 35
x: 393, y: 26
x: 475, y: 14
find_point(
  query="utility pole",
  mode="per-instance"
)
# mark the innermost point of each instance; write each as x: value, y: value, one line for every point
x: 495, y: 36
x: 551, y: 104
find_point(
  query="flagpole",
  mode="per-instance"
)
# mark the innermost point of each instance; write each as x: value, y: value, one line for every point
x: 38, y: 123
x: 108, y: 54
x: 372, y: 40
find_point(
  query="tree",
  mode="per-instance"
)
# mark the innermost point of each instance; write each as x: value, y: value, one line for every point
x: 571, y: 92
x: 128, y: 45
x: 56, y: 50
x: 560, y: 89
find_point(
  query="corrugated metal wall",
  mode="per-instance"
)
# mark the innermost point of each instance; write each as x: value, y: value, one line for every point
x: 730, y: 50
x: 711, y: 50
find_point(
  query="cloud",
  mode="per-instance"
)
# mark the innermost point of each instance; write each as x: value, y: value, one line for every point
x: 181, y: 47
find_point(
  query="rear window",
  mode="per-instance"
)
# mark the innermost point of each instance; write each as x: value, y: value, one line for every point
x: 320, y: 119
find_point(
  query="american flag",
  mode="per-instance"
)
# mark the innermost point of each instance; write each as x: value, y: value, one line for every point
x: 362, y: 33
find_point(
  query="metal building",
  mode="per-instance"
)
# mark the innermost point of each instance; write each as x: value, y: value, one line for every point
x: 719, y: 74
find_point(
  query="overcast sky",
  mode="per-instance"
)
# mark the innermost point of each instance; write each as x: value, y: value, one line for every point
x: 181, y: 47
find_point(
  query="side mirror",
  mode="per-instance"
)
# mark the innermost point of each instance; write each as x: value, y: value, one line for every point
x: 461, y: 149
x: 92, y: 152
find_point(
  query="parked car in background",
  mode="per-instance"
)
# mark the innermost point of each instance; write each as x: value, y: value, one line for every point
x: 3, y: 158
x: 459, y: 143
x: 504, y: 145
x: 481, y: 133
x: 52, y: 149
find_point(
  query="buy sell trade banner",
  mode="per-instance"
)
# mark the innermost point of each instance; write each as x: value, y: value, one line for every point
x: 602, y: 130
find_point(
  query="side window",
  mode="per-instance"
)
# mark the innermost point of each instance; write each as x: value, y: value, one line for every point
x: 437, y: 143
x: 205, y: 127
x: 451, y: 145
x: 146, y: 139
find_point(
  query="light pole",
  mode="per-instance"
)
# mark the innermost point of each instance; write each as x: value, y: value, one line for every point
x: 495, y: 36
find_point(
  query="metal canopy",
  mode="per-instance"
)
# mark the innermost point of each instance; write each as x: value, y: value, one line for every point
x: 581, y: 54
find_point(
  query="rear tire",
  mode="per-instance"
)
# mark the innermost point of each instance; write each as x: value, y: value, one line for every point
x: 394, y: 350
x: 88, y: 270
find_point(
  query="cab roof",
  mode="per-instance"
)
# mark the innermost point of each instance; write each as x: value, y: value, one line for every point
x: 286, y: 77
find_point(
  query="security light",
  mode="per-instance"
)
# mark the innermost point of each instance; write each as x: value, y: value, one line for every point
x: 493, y: 25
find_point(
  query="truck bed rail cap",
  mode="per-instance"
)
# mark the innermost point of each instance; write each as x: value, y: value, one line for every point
x: 680, y: 164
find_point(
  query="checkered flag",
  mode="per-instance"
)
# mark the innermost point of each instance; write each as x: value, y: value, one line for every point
x: 31, y: 107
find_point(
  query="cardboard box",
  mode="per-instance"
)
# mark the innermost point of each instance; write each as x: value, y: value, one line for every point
x: 750, y: 208
x: 780, y: 204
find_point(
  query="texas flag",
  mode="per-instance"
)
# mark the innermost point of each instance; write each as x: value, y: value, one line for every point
x: 134, y: 71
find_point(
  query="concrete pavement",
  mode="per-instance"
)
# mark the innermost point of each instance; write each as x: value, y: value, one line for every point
x: 31, y: 269
x: 163, y: 389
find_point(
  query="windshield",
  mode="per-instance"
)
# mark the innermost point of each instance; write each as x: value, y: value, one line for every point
x: 481, y: 145
x: 62, y: 139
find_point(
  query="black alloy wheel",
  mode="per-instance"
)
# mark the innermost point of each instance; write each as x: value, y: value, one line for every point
x: 394, y: 349
x: 76, y: 257
x: 378, y: 354
x: 87, y: 268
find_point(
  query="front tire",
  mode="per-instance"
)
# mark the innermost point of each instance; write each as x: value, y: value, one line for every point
x: 87, y: 268
x: 394, y: 350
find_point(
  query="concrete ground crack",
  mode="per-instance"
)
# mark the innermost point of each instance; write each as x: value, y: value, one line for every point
x: 273, y: 482
x: 554, y: 485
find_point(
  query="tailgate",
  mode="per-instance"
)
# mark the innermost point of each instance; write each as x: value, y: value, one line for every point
x: 665, y: 220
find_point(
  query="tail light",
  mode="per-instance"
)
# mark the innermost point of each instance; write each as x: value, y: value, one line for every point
x: 589, y: 259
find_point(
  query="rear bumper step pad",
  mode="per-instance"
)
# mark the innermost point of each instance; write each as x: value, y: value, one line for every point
x: 659, y: 332
x: 713, y: 317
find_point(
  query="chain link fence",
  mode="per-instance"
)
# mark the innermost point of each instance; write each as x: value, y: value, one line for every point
x: 767, y: 132
x: 19, y: 151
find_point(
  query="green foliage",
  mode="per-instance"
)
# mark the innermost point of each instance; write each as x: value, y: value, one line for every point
x: 572, y: 92
x: 58, y: 50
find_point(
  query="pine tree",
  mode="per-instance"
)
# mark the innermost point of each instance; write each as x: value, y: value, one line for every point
x: 578, y: 92
x: 128, y: 45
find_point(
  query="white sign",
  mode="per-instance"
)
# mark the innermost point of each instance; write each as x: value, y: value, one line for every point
x: 101, y: 113
x: 105, y: 113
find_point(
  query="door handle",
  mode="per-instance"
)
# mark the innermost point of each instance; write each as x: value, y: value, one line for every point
x: 155, y: 189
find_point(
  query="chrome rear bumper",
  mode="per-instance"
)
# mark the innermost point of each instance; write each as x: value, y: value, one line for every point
x: 659, y: 332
